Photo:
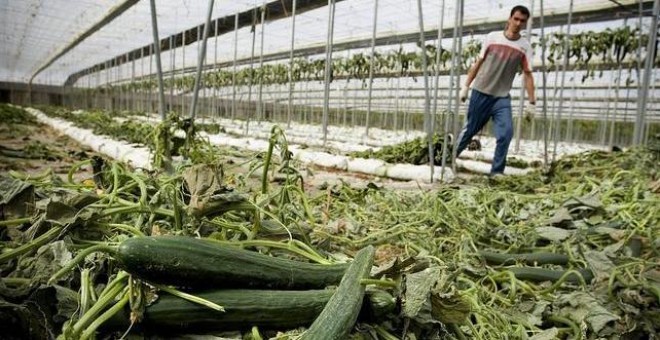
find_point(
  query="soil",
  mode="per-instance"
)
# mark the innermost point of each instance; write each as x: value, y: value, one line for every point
x: 34, y: 148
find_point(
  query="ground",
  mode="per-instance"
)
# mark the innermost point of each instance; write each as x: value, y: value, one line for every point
x: 33, y: 148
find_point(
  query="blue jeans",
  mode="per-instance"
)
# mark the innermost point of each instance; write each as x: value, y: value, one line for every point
x: 481, y: 108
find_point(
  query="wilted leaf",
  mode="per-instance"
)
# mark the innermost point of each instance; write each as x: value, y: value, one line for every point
x: 418, y: 292
x: 599, y: 264
x: 548, y: 334
x: 595, y: 219
x: 23, y: 322
x: 561, y: 215
x: 60, y: 213
x: 553, y: 233
x: 447, y: 304
x: 208, y: 195
x: 48, y: 260
x: 582, y: 307
x: 590, y: 201
x: 16, y: 198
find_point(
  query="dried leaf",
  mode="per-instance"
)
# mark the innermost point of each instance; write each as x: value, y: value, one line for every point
x: 561, y: 215
x: 548, y: 334
x: 418, y: 292
x: 553, y: 233
x: 583, y: 307
x: 599, y: 264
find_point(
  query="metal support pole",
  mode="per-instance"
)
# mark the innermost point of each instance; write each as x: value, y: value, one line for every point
x: 151, y: 74
x: 522, y: 87
x: 107, y: 86
x: 183, y: 75
x: 260, y: 106
x: 291, y: 82
x: 159, y: 68
x: 328, y: 68
x: 450, y: 92
x: 233, y: 75
x: 173, y: 66
x: 616, y: 105
x: 427, y: 95
x: 200, y: 61
x: 638, y: 132
x: 603, y: 126
x: 371, y: 66
x: 569, y: 126
x: 457, y: 104
x: 215, y: 61
x: 438, y: 54
x: 544, y: 89
x: 250, y: 80
x: 557, y: 132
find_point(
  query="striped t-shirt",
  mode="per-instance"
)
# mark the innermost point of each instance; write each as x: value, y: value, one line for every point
x: 502, y: 59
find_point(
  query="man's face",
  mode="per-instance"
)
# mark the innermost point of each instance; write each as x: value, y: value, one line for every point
x: 517, y: 22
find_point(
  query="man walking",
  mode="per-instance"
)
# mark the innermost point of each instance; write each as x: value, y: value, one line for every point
x: 503, y: 54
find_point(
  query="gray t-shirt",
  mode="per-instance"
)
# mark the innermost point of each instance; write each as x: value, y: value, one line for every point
x: 502, y: 59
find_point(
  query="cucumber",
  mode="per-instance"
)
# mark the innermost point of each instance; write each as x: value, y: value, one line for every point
x: 266, y: 309
x: 340, y: 314
x: 197, y: 263
x: 527, y: 258
x: 542, y: 274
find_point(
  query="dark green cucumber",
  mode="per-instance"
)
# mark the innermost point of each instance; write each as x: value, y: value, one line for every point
x: 340, y: 314
x: 527, y: 258
x: 542, y: 274
x: 196, y: 263
x: 266, y: 309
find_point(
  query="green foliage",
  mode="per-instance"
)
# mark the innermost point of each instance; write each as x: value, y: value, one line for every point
x: 412, y: 152
x: 11, y: 115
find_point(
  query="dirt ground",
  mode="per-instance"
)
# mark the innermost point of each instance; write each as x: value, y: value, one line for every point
x: 34, y: 148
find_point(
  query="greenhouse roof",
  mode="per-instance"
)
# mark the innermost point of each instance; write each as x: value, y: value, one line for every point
x: 33, y: 32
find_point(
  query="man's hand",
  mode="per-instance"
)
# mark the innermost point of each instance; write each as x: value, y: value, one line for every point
x: 464, y: 93
x: 530, y: 111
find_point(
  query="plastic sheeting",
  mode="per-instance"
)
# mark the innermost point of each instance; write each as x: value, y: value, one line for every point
x: 32, y: 30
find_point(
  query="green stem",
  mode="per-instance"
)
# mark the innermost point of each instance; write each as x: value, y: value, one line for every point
x: 457, y: 330
x: 126, y: 228
x: 382, y: 283
x: 81, y: 257
x: 279, y: 245
x: 564, y: 278
x: 75, y: 168
x: 267, y: 160
x: 191, y: 298
x: 112, y: 290
x: 85, y: 288
x: 16, y: 221
x: 384, y: 334
x: 15, y: 281
x: 577, y: 333
x: 34, y: 244
x: 89, y: 331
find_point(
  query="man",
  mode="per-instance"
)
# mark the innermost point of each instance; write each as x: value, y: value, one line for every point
x: 502, y: 55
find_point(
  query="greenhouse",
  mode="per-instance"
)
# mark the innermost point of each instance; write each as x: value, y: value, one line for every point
x: 340, y: 169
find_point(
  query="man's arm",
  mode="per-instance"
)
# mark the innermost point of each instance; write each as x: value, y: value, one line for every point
x: 472, y: 73
x: 529, y: 86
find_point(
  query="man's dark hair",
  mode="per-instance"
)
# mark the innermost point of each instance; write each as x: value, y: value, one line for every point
x: 521, y: 9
